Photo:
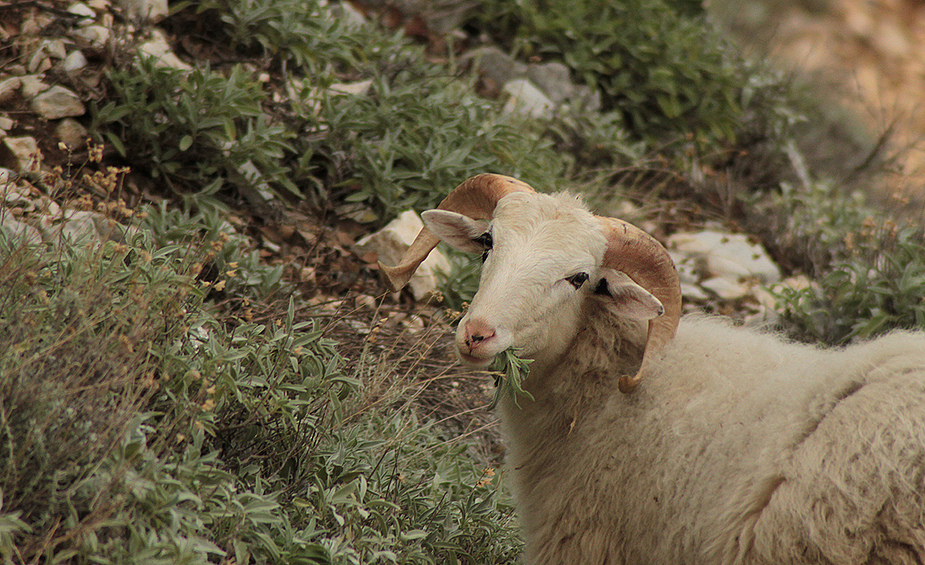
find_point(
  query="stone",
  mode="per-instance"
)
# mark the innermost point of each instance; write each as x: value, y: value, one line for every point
x: 58, y: 102
x: 81, y: 227
x: 33, y: 85
x: 730, y: 256
x: 21, y: 154
x: 554, y: 79
x: 527, y: 99
x: 352, y: 17
x: 158, y: 48
x: 390, y: 244
x: 495, y: 64
x: 6, y: 124
x: 15, y: 232
x: 145, y: 10
x: 8, y: 89
x: 74, y: 62
x: 54, y: 48
x: 72, y: 134
x: 85, y: 12
x: 96, y: 36
x: 725, y: 288
x: 360, y: 88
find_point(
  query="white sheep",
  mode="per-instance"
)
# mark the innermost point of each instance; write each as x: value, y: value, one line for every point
x: 729, y: 446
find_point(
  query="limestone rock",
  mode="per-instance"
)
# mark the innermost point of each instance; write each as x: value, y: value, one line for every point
x: 14, y: 232
x: 158, y: 48
x: 21, y: 154
x: 74, y: 62
x: 527, y: 99
x: 8, y: 88
x: 730, y: 256
x: 391, y: 242
x: 72, y: 134
x: 58, y: 102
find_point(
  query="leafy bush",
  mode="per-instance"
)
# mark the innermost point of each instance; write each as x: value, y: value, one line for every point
x: 202, y: 129
x: 663, y: 70
x: 413, y: 138
x: 869, y: 273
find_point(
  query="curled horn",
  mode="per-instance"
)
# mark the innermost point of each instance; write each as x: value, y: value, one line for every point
x: 644, y: 260
x: 475, y: 198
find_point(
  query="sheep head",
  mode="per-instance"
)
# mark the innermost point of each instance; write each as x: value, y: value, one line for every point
x: 544, y: 256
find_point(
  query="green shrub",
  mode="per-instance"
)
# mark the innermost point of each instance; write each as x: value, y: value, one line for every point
x: 199, y: 131
x: 664, y: 70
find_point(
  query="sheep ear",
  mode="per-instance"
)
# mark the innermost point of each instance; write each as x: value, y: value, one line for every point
x: 457, y: 230
x: 628, y: 298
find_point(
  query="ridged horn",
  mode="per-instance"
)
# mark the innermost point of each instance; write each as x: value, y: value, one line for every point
x: 476, y: 198
x: 643, y: 259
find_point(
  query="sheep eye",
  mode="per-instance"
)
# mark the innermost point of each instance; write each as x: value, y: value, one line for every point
x: 485, y: 241
x: 577, y: 279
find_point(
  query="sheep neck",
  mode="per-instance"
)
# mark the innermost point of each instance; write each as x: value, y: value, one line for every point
x: 572, y: 389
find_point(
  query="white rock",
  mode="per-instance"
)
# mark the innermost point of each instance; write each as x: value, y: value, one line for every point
x: 351, y: 16
x: 158, y: 48
x: 72, y: 134
x: 730, y: 256
x: 360, y: 88
x: 23, y: 154
x: 527, y: 99
x: 16, y: 232
x: 391, y: 242
x: 78, y: 228
x: 8, y: 88
x: 74, y: 62
x: 6, y: 124
x: 96, y: 35
x: 85, y: 12
x: 58, y: 102
x: 32, y: 85
x: 146, y: 10
x: 496, y: 64
x: 725, y: 288
x: 693, y: 293
x: 688, y: 267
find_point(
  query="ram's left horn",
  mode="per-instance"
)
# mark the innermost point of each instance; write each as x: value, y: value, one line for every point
x: 475, y: 198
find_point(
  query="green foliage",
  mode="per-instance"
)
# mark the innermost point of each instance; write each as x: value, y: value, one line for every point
x: 664, y: 70
x: 202, y: 128
x: 514, y: 371
x: 416, y: 135
x: 869, y: 273
x: 138, y: 427
x: 293, y: 33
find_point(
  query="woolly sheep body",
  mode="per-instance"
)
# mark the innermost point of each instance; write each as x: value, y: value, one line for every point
x: 738, y: 447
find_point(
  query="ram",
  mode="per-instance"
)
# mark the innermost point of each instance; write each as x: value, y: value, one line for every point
x: 652, y: 438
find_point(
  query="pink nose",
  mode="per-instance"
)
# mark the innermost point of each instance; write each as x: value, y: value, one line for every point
x: 478, y: 332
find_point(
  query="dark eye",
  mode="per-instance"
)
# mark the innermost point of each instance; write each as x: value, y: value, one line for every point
x: 485, y: 241
x: 577, y: 279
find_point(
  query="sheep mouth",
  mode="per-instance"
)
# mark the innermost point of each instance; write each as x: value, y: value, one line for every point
x: 473, y: 361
